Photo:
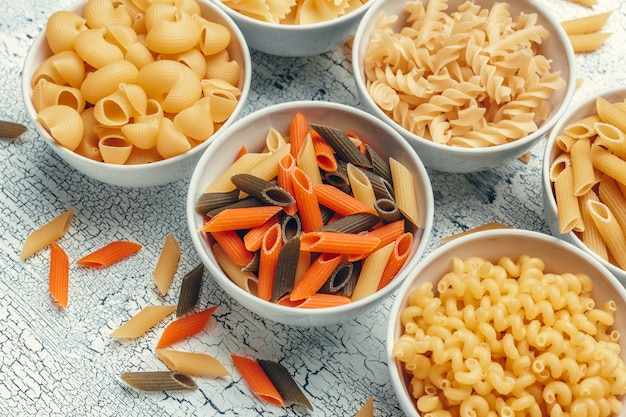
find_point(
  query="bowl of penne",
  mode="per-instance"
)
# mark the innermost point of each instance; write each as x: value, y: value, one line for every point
x: 131, y: 94
x: 309, y: 213
x: 296, y: 28
x: 508, y: 322
x: 470, y: 85
x: 584, y: 186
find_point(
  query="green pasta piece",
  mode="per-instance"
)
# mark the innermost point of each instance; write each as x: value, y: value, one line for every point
x: 380, y: 166
x: 388, y: 210
x: 348, y: 287
x: 210, y: 201
x: 382, y: 188
x: 342, y: 145
x: 159, y: 381
x: 352, y: 223
x: 291, y: 226
x: 266, y: 191
x: 253, y: 265
x: 190, y: 290
x: 338, y: 279
x: 286, y: 268
x: 286, y: 386
x: 339, y: 178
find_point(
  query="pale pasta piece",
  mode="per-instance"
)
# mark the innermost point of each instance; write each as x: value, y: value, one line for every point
x: 221, y: 66
x: 223, y: 104
x: 171, y: 83
x: 143, y: 321
x: 192, y: 363
x: 196, y: 121
x: 361, y: 186
x: 88, y: 146
x: 178, y: 34
x: 610, y: 164
x: 561, y: 174
x: 612, y: 138
x: 371, y: 272
x: 62, y: 29
x: 46, y: 94
x: 64, y: 125
x: 93, y: 47
x: 62, y: 68
x: 46, y: 234
x: 583, y: 128
x: 588, y: 42
x: 611, y: 113
x: 106, y: 80
x: 115, y: 149
x: 118, y: 108
x: 583, y: 173
x: 610, y: 230
x: 247, y: 281
x: 213, y: 37
x: 166, y: 264
x: 274, y: 140
x: 170, y: 141
x: 307, y: 161
x: 102, y: 13
x: 404, y: 190
x: 586, y: 24
x: 267, y: 168
x: 591, y: 236
x: 611, y: 195
x: 142, y: 131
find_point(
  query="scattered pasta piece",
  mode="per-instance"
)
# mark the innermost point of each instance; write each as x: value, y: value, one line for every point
x: 166, y: 265
x: 190, y: 290
x: 109, y: 254
x: 192, y: 363
x: 159, y: 381
x: 588, y: 42
x: 367, y: 409
x: 11, y: 130
x: 46, y: 234
x: 586, y: 24
x: 284, y: 383
x: 141, y: 322
x: 59, y: 274
x: 185, y: 327
x: 257, y: 380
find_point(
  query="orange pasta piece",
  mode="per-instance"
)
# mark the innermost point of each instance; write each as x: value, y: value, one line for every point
x: 338, y: 242
x: 340, y: 202
x: 298, y: 129
x: 240, y: 218
x: 317, y: 300
x: 387, y: 234
x: 59, y: 274
x: 109, y: 254
x: 257, y: 380
x: 399, y: 255
x: 308, y: 206
x: 324, y: 153
x: 185, y: 327
x: 234, y: 246
x: 315, y: 276
x: 254, y: 237
x: 242, y: 151
x: 286, y: 166
x: 270, y: 249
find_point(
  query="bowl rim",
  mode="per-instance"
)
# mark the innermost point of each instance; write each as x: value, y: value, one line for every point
x: 397, y: 382
x: 295, y: 28
x: 550, y: 201
x: 39, y: 42
x: 200, y: 245
x: 542, y: 130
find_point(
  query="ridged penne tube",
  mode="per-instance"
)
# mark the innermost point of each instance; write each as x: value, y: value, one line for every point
x: 62, y: 68
x: 247, y: 281
x: 240, y: 218
x: 59, y: 274
x: 234, y: 246
x: 286, y: 268
x: 586, y: 24
x: 115, y: 149
x: 143, y: 321
x: 611, y: 113
x: 190, y: 290
x: 267, y: 168
x: 306, y: 160
x: 166, y: 264
x: 569, y: 212
x: 170, y: 141
x: 565, y: 142
x: 274, y: 140
x: 220, y: 66
x: 609, y: 229
x: 243, y: 164
x: 338, y: 278
x: 583, y: 128
x: 209, y: 201
x: 591, y: 235
x: 213, y: 37
x: 612, y: 138
x: 173, y: 84
x: 610, y: 194
x: 46, y: 94
x: 185, y: 327
x: 584, y: 176
x: 336, y: 242
x: 316, y: 275
x: 177, y: 34
x: 102, y: 13
x: 588, y: 42
x: 46, y: 234
x: 62, y: 28
x: 109, y: 254
x: 324, y: 153
x: 361, y: 186
x: 343, y: 146
x: 138, y: 55
x: 64, y: 124
x: 268, y: 258
x: 308, y: 205
x: 223, y: 104
x: 192, y: 58
x: 88, y: 146
x: 352, y: 223
x: 92, y: 46
x: 404, y: 190
x: 371, y: 272
x: 380, y: 166
x: 263, y: 190
x: 253, y: 238
x: 195, y: 121
x: 387, y: 210
x: 610, y: 164
x: 159, y: 381
x: 106, y: 80
x: 192, y: 363
x: 286, y: 385
x: 339, y: 201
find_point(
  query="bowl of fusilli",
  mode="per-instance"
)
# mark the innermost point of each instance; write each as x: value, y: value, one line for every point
x: 471, y: 85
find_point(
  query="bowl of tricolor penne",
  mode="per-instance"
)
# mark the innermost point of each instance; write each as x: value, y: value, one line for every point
x: 309, y: 213
x: 508, y: 322
x: 584, y: 178
x: 131, y: 93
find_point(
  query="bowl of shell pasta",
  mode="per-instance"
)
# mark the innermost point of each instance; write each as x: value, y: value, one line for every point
x: 470, y: 85
x: 131, y: 93
x: 310, y: 213
x: 508, y: 322
x: 584, y: 187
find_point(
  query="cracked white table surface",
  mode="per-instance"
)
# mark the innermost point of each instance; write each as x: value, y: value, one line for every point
x: 63, y: 363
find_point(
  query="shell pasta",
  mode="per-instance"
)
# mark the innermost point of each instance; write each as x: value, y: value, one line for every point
x: 142, y: 67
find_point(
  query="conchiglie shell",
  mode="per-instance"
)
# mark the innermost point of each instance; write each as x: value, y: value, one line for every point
x: 62, y: 28
x: 173, y: 36
x: 214, y: 37
x: 121, y: 36
x: 115, y: 149
x: 139, y: 55
x: 46, y: 94
x: 104, y: 81
x: 191, y: 7
x: 195, y: 121
x: 170, y: 140
x: 173, y: 84
x: 223, y: 104
x: 116, y: 109
x: 220, y: 66
x: 192, y: 58
x: 63, y: 68
x: 143, y: 156
x: 141, y: 135
x: 95, y: 50
x: 64, y: 124
x: 102, y: 13
x: 88, y: 146
x: 212, y: 84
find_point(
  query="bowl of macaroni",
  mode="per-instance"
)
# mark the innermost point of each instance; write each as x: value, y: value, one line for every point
x: 312, y: 248
x: 470, y: 85
x: 298, y: 28
x: 583, y: 179
x: 510, y: 322
x: 132, y: 97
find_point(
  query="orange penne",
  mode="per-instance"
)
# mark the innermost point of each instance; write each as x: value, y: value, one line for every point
x: 257, y: 380
x: 337, y: 242
x: 315, y: 276
x: 254, y: 237
x: 308, y: 206
x: 234, y: 246
x: 398, y: 257
x: 324, y: 153
x: 298, y: 129
x: 340, y: 202
x: 109, y: 254
x: 317, y: 300
x: 49, y: 232
x: 270, y: 249
x: 143, y: 321
x: 286, y: 166
x: 59, y: 274
x: 387, y: 234
x: 240, y: 218
x: 185, y: 327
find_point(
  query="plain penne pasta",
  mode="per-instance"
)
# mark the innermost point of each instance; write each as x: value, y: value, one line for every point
x: 190, y: 290
x: 569, y: 217
x: 240, y: 218
x: 609, y: 229
x: 582, y: 168
x: 166, y: 264
x: 257, y: 380
x: 361, y: 186
x: 588, y: 42
x: 404, y: 190
x: 611, y: 113
x: 46, y: 234
x: 371, y: 272
x: 143, y: 321
x: 59, y: 274
x: 185, y: 327
x: 159, y: 381
x: 586, y: 24
x: 109, y: 254
x: 306, y: 160
x: 286, y: 385
x: 192, y: 363
x: 247, y: 281
x: 367, y: 409
x: 591, y: 236
x: 339, y: 201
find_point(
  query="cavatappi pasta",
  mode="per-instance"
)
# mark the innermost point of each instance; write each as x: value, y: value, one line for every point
x: 588, y: 181
x: 510, y: 338
x: 158, y: 77
x: 469, y: 77
x: 285, y: 234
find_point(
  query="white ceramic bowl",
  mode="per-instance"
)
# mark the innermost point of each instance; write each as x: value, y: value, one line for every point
x: 251, y: 131
x: 145, y: 175
x: 297, y: 40
x: 456, y: 159
x: 558, y: 256
x: 586, y: 107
